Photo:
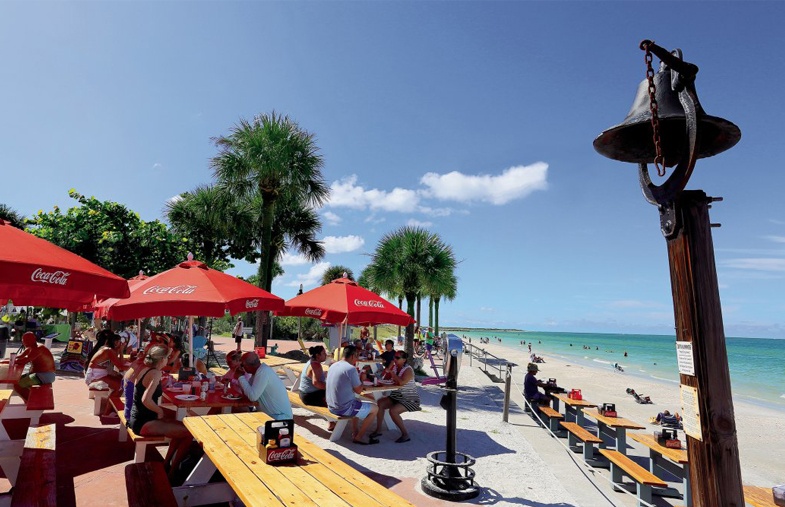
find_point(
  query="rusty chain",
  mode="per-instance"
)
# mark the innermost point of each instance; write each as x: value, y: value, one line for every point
x: 659, y: 161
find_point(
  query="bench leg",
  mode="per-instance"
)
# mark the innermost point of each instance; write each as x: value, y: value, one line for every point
x: 10, y: 466
x: 644, y: 493
x: 616, y: 476
x: 140, y: 452
x: 340, y: 426
x: 122, y: 434
x: 588, y: 451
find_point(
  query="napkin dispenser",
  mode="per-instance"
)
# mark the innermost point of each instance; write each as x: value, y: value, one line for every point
x: 268, y: 442
x: 607, y: 409
x: 668, y: 438
x: 779, y: 495
x: 552, y: 382
x: 575, y: 394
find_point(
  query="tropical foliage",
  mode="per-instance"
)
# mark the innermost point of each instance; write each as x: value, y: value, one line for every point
x: 336, y: 271
x: 111, y: 235
x: 412, y: 262
x: 9, y: 214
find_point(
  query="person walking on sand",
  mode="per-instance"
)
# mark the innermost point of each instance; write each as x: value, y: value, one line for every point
x: 237, y: 332
x: 343, y: 382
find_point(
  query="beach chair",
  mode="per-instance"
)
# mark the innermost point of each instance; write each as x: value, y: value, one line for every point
x: 302, y: 346
x: 437, y: 379
x: 200, y: 349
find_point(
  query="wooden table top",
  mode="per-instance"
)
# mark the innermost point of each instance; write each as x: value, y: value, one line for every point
x: 675, y: 455
x: 10, y: 375
x: 214, y: 399
x: 758, y: 496
x: 274, y: 361
x: 574, y: 403
x: 614, y: 422
x: 317, y: 478
x: 5, y: 395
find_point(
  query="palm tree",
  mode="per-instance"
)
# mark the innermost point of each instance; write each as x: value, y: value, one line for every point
x: 439, y: 275
x: 269, y: 158
x: 336, y: 271
x: 447, y: 291
x: 11, y: 215
x: 201, y: 216
x: 398, y: 267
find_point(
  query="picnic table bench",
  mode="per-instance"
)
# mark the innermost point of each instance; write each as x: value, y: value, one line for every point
x: 669, y: 460
x: 577, y: 433
x: 141, y: 443
x: 36, y: 482
x: 614, y: 428
x: 324, y: 413
x: 147, y: 484
x: 573, y: 409
x: 644, y: 480
x: 553, y: 417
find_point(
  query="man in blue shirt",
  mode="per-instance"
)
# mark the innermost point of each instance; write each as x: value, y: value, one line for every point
x: 265, y: 388
x: 343, y: 382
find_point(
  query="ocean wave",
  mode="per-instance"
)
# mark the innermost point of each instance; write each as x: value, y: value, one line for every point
x: 782, y: 396
x: 665, y: 379
x: 601, y: 361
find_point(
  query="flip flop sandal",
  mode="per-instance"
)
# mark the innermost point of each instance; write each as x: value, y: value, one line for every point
x: 375, y: 434
x: 402, y: 440
x: 372, y: 441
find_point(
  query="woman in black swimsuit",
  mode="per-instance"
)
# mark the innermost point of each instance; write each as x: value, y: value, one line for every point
x: 147, y: 418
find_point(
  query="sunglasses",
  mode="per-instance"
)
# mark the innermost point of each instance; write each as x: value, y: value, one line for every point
x: 399, y: 357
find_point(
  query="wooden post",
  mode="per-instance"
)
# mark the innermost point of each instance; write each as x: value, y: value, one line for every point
x: 715, y: 473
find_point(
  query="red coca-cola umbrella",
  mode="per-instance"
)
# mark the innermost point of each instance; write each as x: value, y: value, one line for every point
x: 35, y: 272
x: 343, y: 301
x: 100, y: 307
x: 192, y: 288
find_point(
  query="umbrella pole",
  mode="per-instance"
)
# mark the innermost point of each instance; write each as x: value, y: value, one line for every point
x: 191, y: 342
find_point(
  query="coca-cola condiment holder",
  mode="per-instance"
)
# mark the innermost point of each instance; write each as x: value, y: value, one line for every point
x: 268, y: 442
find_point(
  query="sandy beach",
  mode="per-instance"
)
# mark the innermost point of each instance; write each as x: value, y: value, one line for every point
x: 518, y: 463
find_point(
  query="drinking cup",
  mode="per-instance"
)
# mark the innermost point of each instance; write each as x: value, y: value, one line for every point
x: 187, y: 388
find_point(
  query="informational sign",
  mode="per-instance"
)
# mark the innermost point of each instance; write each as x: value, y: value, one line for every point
x: 690, y: 412
x: 684, y: 358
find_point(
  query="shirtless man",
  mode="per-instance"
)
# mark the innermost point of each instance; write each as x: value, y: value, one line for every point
x: 42, y: 365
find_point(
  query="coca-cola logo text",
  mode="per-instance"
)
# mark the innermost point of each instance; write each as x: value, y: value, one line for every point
x: 177, y: 289
x: 251, y: 303
x: 313, y: 311
x: 281, y: 454
x: 369, y: 304
x: 53, y: 277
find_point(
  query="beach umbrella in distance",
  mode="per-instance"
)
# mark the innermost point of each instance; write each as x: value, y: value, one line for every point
x: 35, y: 272
x: 343, y: 301
x: 192, y: 288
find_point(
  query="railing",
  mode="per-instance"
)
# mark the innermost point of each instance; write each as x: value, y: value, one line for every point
x: 497, y: 363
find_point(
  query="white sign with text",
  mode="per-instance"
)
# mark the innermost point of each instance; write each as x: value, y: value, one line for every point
x: 684, y: 358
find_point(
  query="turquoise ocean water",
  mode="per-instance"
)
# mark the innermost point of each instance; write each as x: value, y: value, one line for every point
x: 757, y: 365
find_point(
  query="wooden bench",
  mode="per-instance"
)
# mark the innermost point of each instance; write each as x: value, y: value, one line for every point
x: 323, y: 412
x: 146, y: 484
x: 578, y: 433
x: 140, y: 443
x: 36, y: 484
x: 758, y: 496
x: 98, y: 396
x: 553, y: 418
x: 644, y: 480
x: 41, y: 398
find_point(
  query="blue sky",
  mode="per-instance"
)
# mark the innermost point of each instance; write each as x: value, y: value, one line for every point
x: 472, y: 119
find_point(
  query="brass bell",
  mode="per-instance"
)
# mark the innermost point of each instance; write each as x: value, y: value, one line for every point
x: 631, y: 140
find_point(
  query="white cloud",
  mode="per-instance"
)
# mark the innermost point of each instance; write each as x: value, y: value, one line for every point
x: 157, y: 165
x: 513, y: 183
x: 331, y: 218
x: 342, y: 244
x: 417, y: 223
x: 288, y: 259
x: 347, y: 194
x: 174, y: 199
x: 776, y: 239
x: 312, y: 277
x: 777, y: 265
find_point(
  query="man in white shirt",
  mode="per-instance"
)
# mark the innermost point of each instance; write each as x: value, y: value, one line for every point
x: 265, y: 388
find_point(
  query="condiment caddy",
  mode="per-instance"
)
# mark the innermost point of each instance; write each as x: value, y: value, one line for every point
x: 275, y: 442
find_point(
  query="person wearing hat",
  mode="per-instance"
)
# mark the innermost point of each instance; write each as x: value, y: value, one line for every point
x: 531, y: 385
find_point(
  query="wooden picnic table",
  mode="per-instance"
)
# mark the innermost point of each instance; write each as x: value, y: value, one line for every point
x: 573, y: 409
x: 316, y: 479
x: 9, y: 377
x: 201, y: 407
x: 614, y: 428
x: 673, y: 461
x: 273, y: 361
x: 758, y: 496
